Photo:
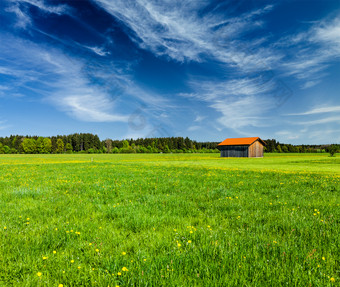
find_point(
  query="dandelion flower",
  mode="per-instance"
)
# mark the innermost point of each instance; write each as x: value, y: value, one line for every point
x: 332, y: 279
x: 189, y: 241
x: 90, y: 244
x: 5, y: 227
x: 144, y: 259
x: 179, y: 245
x: 123, y: 253
x: 54, y: 252
x: 79, y: 267
x: 72, y: 261
x: 97, y: 250
x: 191, y: 231
x: 119, y: 273
x: 44, y: 258
x: 323, y: 258
x: 39, y: 274
x: 60, y: 285
x: 125, y: 269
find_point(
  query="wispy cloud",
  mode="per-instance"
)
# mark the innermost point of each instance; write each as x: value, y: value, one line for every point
x: 178, y: 30
x: 239, y: 103
x: 199, y: 118
x: 313, y: 51
x: 194, y: 128
x: 319, y: 110
x: 98, y: 50
x: 88, y: 91
x: 326, y: 120
x: 288, y: 135
x: 58, y: 79
x: 23, y: 18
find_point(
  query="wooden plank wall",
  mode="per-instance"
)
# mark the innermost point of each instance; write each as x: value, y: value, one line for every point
x: 256, y: 149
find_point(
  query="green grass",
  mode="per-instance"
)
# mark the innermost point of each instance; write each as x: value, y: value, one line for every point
x: 182, y: 220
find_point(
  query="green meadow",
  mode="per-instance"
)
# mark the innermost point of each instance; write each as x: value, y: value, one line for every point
x: 169, y: 220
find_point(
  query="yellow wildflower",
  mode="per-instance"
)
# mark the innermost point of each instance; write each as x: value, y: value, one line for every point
x: 72, y: 261
x: 125, y: 269
x: 119, y: 273
x: 39, y: 274
x: 123, y: 253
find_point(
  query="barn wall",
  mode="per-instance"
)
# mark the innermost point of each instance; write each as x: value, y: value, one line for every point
x: 234, y: 151
x: 256, y: 149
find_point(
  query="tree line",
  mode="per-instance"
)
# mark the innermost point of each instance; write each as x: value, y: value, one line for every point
x: 274, y: 146
x: 89, y: 143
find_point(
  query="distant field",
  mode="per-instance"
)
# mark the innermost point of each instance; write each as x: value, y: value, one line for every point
x: 169, y: 220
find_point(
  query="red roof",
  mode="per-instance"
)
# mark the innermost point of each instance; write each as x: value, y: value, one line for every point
x: 241, y: 141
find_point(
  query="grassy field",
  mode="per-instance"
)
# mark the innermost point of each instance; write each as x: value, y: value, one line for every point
x: 169, y: 220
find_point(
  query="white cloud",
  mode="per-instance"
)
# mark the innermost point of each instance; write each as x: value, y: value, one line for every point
x: 89, y: 108
x: 178, y: 30
x: 287, y: 135
x: 55, y: 9
x: 318, y: 110
x: 313, y: 51
x: 85, y: 91
x: 239, y: 103
x: 23, y: 18
x: 98, y: 50
x: 194, y: 128
x: 199, y: 118
x: 335, y: 119
x: 58, y: 79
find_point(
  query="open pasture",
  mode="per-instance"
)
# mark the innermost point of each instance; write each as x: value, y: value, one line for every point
x: 169, y: 220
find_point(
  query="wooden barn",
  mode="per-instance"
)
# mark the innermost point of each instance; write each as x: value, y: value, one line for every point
x: 242, y: 147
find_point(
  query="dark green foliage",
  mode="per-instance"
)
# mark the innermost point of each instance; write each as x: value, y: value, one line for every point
x: 89, y: 143
x: 333, y: 149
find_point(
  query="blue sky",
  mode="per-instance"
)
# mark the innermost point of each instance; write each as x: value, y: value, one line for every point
x: 208, y: 70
